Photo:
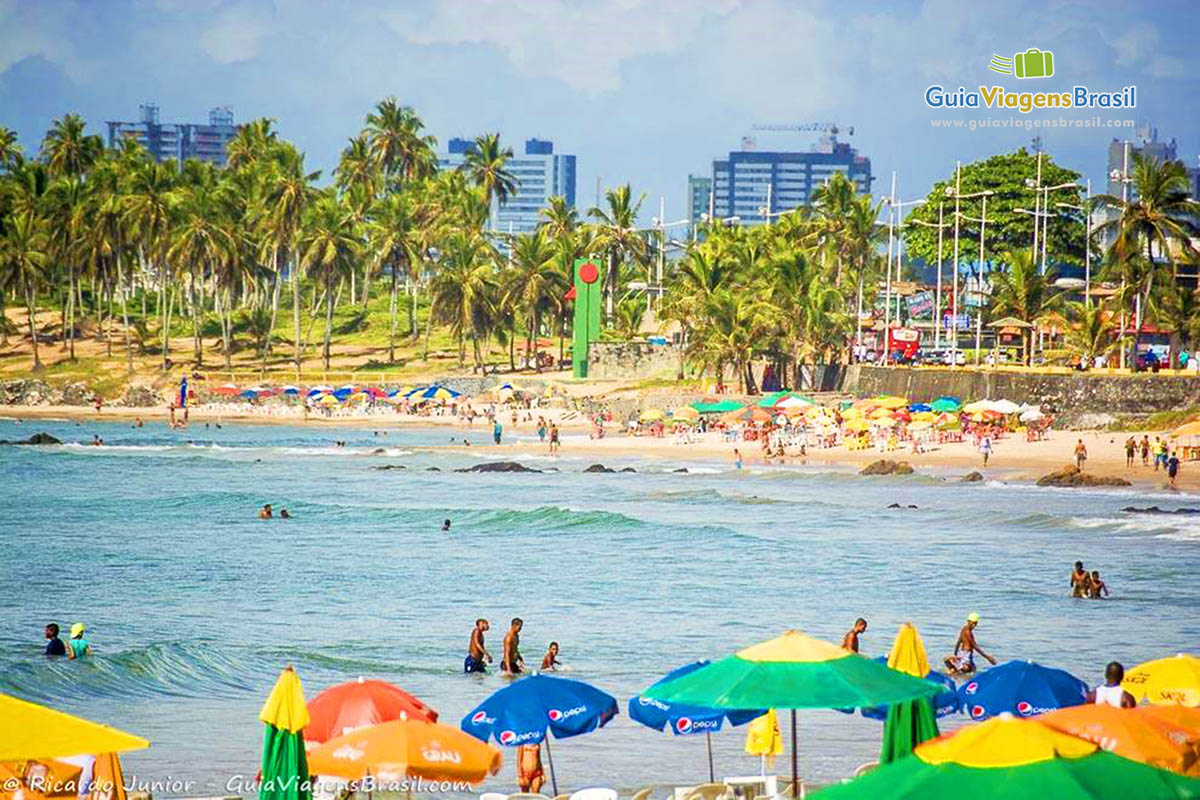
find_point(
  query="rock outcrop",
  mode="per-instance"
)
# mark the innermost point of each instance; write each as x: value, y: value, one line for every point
x: 886, y: 466
x: 36, y: 439
x: 1071, y: 475
x: 599, y: 468
x: 1157, y: 510
x: 498, y: 466
x: 972, y: 477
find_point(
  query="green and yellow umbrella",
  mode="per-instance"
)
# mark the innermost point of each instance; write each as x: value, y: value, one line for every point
x: 1007, y: 758
x: 908, y: 722
x: 284, y: 763
x: 793, y: 671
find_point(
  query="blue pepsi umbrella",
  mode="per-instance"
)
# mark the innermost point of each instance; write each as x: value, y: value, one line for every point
x: 1022, y: 688
x: 915, y: 407
x: 944, y: 703
x: 249, y: 394
x: 684, y: 719
x: 523, y: 712
x: 342, y: 393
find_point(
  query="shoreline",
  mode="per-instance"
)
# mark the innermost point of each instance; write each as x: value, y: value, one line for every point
x: 1013, y: 458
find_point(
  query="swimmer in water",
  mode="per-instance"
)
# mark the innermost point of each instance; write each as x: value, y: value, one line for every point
x: 477, y: 655
x: 283, y: 514
x: 1096, y: 586
x: 265, y: 513
x: 1079, y: 581
x: 550, y: 660
x: 512, y: 663
x: 962, y: 662
x: 850, y: 640
x: 446, y: 526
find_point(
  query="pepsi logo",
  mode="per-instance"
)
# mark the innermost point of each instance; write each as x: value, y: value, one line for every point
x: 1024, y: 708
x: 554, y: 714
x: 978, y: 712
x: 683, y: 724
x: 479, y: 717
x: 971, y: 687
x: 507, y: 737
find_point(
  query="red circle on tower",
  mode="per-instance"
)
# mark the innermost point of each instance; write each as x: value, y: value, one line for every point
x: 588, y: 273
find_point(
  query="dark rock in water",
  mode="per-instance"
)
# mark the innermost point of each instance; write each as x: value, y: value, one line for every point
x: 897, y: 505
x: 886, y: 466
x: 599, y: 468
x: 628, y: 469
x: 37, y: 438
x: 391, y: 466
x: 1157, y: 510
x: 972, y: 477
x: 681, y: 469
x: 378, y: 451
x: 432, y: 469
x: 1070, y: 475
x: 499, y: 466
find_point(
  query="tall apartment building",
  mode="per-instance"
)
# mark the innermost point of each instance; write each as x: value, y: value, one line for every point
x: 178, y: 141
x: 540, y: 172
x: 750, y: 181
x: 1121, y: 152
x: 699, y: 192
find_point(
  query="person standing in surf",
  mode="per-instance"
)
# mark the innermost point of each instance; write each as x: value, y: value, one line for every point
x: 512, y: 663
x: 477, y: 655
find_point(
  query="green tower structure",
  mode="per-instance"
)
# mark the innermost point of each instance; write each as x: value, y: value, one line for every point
x: 587, y: 313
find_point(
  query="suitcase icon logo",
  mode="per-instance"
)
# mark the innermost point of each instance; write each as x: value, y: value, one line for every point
x: 1033, y: 63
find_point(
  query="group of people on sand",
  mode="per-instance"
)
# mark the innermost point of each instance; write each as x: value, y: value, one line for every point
x: 1087, y: 584
x: 1164, y: 457
x: 511, y: 660
x: 76, y: 647
x: 267, y: 512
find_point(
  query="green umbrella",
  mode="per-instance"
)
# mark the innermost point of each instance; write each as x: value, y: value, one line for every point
x: 945, y: 404
x: 792, y: 671
x: 907, y: 725
x: 1008, y: 759
x: 284, y: 771
x: 720, y: 407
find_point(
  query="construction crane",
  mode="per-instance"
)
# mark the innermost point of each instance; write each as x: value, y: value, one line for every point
x: 806, y: 127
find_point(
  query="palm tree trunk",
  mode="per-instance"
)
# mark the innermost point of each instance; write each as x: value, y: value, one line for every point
x: 276, y: 289
x: 610, y: 286
x: 71, y: 311
x: 296, y: 312
x: 125, y: 317
x: 328, y: 317
x: 108, y: 321
x: 392, y: 309
x: 197, y: 346
x: 31, y: 310
x: 227, y: 328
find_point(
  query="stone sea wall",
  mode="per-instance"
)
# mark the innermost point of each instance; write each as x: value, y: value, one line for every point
x: 632, y: 361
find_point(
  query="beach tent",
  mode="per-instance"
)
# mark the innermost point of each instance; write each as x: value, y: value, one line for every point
x: 32, y: 732
x: 717, y: 407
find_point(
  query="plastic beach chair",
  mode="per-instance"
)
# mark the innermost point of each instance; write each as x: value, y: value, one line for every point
x: 597, y: 793
x: 642, y: 794
x: 709, y: 791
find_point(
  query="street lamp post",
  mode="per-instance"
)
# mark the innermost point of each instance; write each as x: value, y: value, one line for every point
x: 896, y: 206
x: 1087, y: 242
x: 958, y: 215
x: 1125, y: 179
x: 937, y: 302
x: 660, y: 224
x: 979, y: 280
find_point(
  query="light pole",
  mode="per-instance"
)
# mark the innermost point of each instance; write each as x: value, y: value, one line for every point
x: 979, y: 279
x: 937, y: 303
x: 1125, y: 179
x: 1087, y: 243
x: 896, y: 207
x: 660, y: 224
x: 956, y: 192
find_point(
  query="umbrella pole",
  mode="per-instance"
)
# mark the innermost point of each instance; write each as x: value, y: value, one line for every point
x: 550, y: 761
x: 708, y: 739
x: 795, y: 761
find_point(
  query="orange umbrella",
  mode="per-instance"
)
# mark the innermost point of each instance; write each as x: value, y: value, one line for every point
x: 403, y: 749
x: 360, y: 704
x: 1134, y: 734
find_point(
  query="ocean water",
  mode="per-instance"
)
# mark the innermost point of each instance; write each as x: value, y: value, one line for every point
x: 194, y: 605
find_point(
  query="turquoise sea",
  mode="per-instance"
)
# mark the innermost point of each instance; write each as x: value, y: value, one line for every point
x: 194, y: 605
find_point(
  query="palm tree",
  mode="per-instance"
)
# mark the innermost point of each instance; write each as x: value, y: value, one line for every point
x: 463, y: 290
x: 395, y: 245
x: 1023, y: 291
x: 23, y: 254
x: 1088, y: 331
x: 150, y: 210
x: 10, y: 149
x: 253, y: 142
x: 67, y: 149
x: 486, y: 164
x: 537, y: 285
x: 287, y: 195
x: 1157, y: 225
x: 618, y: 236
x: 199, y: 241
x: 396, y: 144
x: 330, y: 244
x: 65, y: 209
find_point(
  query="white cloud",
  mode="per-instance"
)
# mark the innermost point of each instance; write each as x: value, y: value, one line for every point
x: 1141, y: 46
x: 234, y: 33
x: 582, y: 44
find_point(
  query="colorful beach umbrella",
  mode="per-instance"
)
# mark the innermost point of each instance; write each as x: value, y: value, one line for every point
x: 947, y: 405
x: 717, y: 407
x: 1012, y: 759
x: 284, y: 768
x: 908, y: 722
x: 526, y: 710
x: 792, y: 671
x: 1174, y: 680
x: 685, y: 413
x: 227, y: 389
x: 651, y: 415
x: 683, y: 719
x: 1135, y: 734
x: 32, y: 732
x: 920, y: 408
x: 891, y: 402
x: 358, y: 704
x: 327, y: 400
x: 394, y: 751
x: 1022, y: 688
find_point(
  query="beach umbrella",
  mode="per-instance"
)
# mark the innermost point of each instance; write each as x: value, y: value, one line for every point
x: 1022, y: 688
x: 920, y: 408
x: 883, y: 422
x: 892, y: 402
x: 32, y: 732
x: 328, y: 400
x: 920, y: 425
x: 342, y: 393
x: 881, y: 413
x: 924, y: 416
x: 685, y: 413
x: 856, y: 425
x: 406, y: 748
x: 795, y: 401
x: 977, y: 407
x: 1134, y: 734
x: 527, y: 709
x: 437, y: 393
x: 227, y: 389
x: 908, y: 722
x: 249, y: 394
x: 651, y: 415
x: 792, y: 671
x: 769, y: 401
x: 717, y: 407
x: 375, y: 392
x: 289, y: 389
x: 1005, y: 407
x: 1187, y: 429
x: 284, y: 767
x: 1031, y: 415
x: 1174, y: 680
x: 945, y: 405
x: 853, y: 413
x: 358, y: 704
x: 1013, y: 759
x: 316, y: 390
x: 684, y: 719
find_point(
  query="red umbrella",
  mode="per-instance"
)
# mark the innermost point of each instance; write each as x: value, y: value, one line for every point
x: 358, y: 704
x: 376, y: 392
x: 227, y: 388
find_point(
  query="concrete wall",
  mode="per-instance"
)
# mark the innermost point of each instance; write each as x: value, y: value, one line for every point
x: 631, y: 361
x: 1078, y: 393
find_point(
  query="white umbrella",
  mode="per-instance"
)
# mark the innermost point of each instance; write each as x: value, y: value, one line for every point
x: 1004, y: 406
x: 791, y: 401
x: 1031, y: 415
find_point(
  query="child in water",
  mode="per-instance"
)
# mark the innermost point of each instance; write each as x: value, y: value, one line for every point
x: 1096, y: 586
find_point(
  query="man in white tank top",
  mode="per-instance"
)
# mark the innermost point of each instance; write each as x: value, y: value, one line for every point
x: 1111, y: 693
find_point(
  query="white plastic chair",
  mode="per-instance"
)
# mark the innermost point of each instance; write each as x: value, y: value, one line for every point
x: 595, y: 793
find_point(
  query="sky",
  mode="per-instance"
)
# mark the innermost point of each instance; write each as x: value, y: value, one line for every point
x: 644, y: 91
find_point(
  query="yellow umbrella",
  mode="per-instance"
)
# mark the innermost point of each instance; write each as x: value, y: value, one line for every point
x: 30, y: 732
x: 685, y: 413
x: 763, y: 737
x: 1187, y: 429
x: 880, y: 413
x: 892, y: 402
x: 327, y: 400
x: 1174, y: 680
x: 924, y: 416
x: 883, y: 422
x: 908, y: 652
x: 856, y: 425
x: 651, y: 414
x: 851, y: 413
x: 976, y: 407
x: 285, y: 707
